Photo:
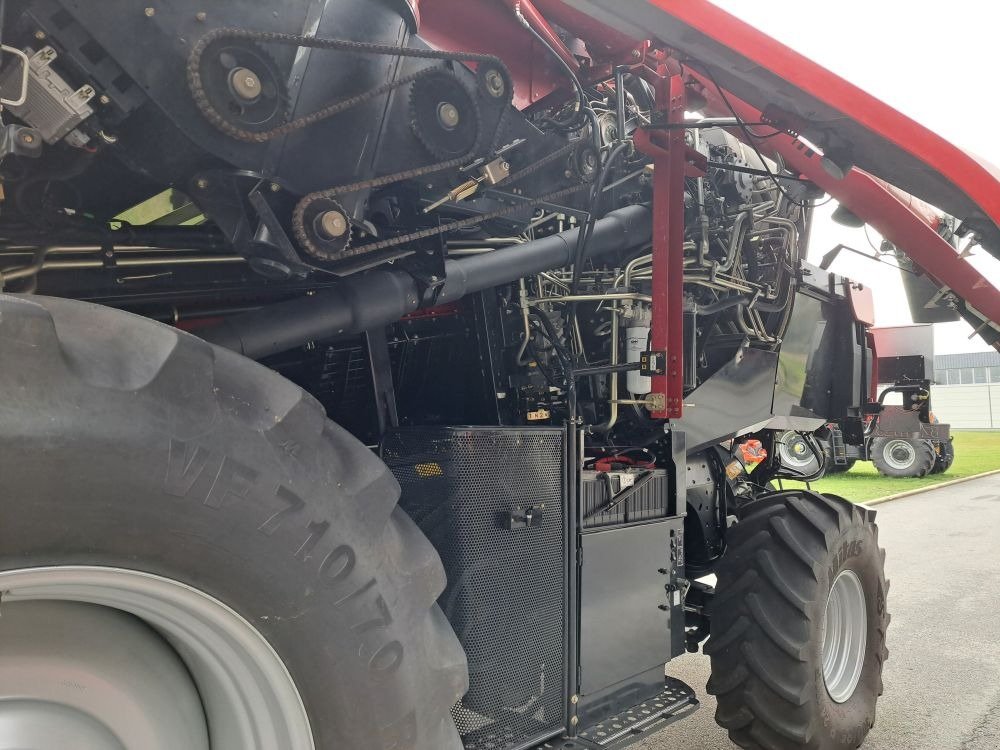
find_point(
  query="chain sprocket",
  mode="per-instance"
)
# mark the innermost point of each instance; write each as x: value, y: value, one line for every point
x: 245, y: 85
x: 303, y: 209
x: 444, y: 115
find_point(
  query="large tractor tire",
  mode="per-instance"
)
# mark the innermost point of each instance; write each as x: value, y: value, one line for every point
x: 192, y: 557
x: 944, y: 456
x: 798, y: 625
x: 902, y: 457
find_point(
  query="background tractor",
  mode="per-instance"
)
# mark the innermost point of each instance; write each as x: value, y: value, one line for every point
x: 902, y: 438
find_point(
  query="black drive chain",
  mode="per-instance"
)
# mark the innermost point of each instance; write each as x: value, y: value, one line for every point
x: 265, y: 37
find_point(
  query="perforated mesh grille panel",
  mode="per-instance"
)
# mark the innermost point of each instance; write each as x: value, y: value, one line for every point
x: 506, y: 587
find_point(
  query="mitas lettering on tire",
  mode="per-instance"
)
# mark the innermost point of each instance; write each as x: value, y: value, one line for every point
x: 798, y: 625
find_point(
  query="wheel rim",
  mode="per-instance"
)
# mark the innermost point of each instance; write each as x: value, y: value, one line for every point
x: 845, y: 636
x: 224, y: 683
x: 794, y: 452
x: 899, y: 454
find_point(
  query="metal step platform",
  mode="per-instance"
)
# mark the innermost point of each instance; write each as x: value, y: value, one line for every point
x: 675, y: 702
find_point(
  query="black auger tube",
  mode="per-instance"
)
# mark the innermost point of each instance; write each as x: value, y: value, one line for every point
x: 385, y: 295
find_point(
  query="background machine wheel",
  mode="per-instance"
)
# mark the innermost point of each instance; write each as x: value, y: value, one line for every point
x: 169, y: 495
x: 944, y: 456
x: 832, y: 468
x: 797, y: 454
x: 902, y: 457
x: 798, y: 625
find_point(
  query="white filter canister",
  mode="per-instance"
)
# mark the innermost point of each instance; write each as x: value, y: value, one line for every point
x: 636, y: 342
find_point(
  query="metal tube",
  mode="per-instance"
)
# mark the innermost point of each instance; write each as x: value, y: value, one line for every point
x: 77, y: 265
x: 593, y: 298
x: 523, y: 299
x: 385, y: 295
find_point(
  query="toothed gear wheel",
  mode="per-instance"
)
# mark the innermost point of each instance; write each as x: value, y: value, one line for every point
x: 495, y: 84
x: 245, y: 85
x: 444, y: 115
x: 325, y: 230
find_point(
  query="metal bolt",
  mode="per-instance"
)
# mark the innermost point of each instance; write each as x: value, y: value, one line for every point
x: 201, y: 183
x: 245, y: 83
x: 574, y: 721
x: 574, y: 699
x: 636, y: 54
x: 448, y: 115
x: 275, y: 187
x: 150, y: 12
x: 495, y: 83
x: 39, y: 35
x: 200, y: 16
x: 105, y: 99
x: 333, y: 224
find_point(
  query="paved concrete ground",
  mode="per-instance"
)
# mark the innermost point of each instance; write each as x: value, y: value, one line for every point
x: 942, y: 680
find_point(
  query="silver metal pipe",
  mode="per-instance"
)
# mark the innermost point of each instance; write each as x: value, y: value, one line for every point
x: 593, y: 298
x: 523, y: 294
x: 76, y: 265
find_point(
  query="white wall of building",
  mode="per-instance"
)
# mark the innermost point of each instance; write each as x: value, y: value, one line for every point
x: 964, y: 407
x: 967, y: 407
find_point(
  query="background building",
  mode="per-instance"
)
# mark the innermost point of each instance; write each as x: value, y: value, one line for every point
x: 966, y: 393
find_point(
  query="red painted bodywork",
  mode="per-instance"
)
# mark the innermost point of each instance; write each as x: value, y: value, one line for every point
x: 978, y: 180
x: 603, y: 42
x: 537, y: 22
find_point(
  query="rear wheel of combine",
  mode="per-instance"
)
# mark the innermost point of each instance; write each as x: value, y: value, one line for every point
x: 902, y: 457
x: 172, y: 509
x: 798, y: 625
x: 944, y: 456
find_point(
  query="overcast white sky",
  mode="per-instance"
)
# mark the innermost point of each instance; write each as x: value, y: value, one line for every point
x: 935, y: 62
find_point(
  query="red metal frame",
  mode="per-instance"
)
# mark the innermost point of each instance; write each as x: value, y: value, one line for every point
x: 669, y: 152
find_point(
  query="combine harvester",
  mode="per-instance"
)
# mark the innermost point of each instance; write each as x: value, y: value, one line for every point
x: 383, y: 374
